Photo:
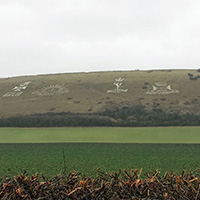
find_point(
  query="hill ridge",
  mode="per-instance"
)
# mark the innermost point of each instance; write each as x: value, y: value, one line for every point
x: 173, y: 91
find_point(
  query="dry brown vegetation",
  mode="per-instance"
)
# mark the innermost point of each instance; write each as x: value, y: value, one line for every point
x: 87, y: 89
x: 122, y: 185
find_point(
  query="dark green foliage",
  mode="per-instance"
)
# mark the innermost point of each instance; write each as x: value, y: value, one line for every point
x: 55, y: 120
x: 129, y: 116
x: 192, y: 77
x: 155, y: 117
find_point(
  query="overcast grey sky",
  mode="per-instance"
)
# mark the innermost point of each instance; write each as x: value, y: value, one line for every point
x: 58, y: 36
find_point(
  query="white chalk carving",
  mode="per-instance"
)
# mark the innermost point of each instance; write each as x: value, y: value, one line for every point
x: 17, y: 90
x: 118, y: 83
x: 162, y: 88
x: 52, y: 90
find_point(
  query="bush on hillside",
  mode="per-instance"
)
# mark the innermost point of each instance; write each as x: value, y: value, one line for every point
x: 127, y: 116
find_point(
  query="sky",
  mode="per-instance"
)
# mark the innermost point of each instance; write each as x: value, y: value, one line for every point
x: 61, y: 36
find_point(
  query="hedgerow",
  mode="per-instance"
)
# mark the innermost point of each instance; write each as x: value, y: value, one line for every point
x: 121, y: 185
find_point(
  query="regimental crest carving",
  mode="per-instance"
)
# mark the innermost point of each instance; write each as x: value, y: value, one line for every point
x: 162, y: 88
x: 52, y: 90
x: 119, y: 86
x: 17, y: 90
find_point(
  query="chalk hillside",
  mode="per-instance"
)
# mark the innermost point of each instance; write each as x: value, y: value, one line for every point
x: 174, y: 91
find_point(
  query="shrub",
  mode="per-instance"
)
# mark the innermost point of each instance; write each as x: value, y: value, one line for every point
x: 121, y: 185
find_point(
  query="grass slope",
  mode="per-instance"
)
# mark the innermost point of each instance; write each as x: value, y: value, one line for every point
x: 88, y: 92
x: 101, y: 135
x: 47, y: 159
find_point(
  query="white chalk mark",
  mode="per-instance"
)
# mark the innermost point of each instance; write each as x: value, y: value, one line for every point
x: 52, y: 90
x: 17, y: 90
x: 162, y: 88
x: 118, y: 83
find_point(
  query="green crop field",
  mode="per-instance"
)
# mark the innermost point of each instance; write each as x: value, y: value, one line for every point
x: 101, y: 135
x: 86, y: 149
x: 48, y: 159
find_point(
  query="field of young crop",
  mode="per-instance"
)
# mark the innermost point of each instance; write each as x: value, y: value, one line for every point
x: 86, y: 149
x: 86, y: 158
x: 101, y: 135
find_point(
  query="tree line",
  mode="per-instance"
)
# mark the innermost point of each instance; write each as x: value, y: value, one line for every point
x: 132, y: 116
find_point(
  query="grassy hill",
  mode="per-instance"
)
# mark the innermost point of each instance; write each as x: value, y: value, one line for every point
x: 173, y: 91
